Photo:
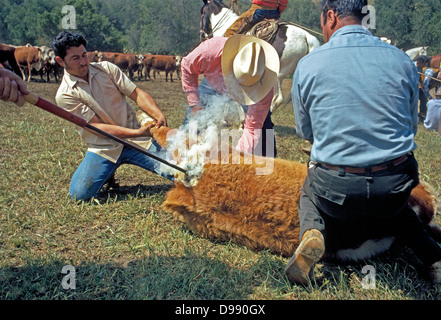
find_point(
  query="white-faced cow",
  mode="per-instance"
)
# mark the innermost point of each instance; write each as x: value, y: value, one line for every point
x: 178, y: 66
x: 50, y: 66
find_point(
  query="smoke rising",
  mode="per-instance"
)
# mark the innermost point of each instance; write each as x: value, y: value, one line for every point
x: 197, y: 140
x: 202, y: 138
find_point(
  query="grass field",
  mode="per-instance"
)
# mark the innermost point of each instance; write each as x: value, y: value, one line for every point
x: 124, y: 246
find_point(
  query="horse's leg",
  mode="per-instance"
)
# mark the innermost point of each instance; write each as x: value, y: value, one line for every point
x: 29, y: 71
x: 278, y: 95
x: 290, y: 51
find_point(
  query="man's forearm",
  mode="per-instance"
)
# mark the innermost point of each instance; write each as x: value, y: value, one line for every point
x: 148, y: 105
x: 118, y: 131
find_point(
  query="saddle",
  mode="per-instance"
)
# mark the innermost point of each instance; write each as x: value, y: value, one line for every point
x: 266, y: 29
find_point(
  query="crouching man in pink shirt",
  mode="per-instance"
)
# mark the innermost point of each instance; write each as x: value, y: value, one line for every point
x: 241, y: 68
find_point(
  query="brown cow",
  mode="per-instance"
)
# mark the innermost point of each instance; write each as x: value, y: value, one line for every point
x: 31, y: 58
x: 230, y: 201
x: 435, y: 61
x: 93, y: 56
x: 8, y: 59
x: 165, y: 63
x: 214, y: 204
x: 125, y: 61
x: 178, y: 68
x: 146, y: 65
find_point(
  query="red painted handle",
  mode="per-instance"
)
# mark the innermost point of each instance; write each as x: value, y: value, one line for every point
x: 54, y: 109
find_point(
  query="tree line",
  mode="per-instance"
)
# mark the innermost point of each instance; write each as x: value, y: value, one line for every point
x: 172, y: 26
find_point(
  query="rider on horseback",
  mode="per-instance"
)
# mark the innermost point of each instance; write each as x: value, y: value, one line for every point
x: 260, y: 9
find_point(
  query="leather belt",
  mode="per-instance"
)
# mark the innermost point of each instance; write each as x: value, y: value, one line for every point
x: 376, y: 168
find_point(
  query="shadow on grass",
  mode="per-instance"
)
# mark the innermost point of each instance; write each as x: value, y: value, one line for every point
x: 393, y: 275
x: 199, y: 277
x: 123, y: 193
x: 152, y: 278
x: 285, y: 131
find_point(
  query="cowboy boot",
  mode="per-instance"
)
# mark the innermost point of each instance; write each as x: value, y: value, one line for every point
x: 111, y: 183
x: 309, y: 252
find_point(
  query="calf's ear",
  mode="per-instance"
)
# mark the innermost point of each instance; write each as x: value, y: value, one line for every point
x: 179, y: 201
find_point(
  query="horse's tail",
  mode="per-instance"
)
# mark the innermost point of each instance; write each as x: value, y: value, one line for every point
x: 311, y: 41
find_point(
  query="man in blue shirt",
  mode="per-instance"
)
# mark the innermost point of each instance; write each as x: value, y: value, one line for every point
x: 432, y: 121
x: 362, y: 124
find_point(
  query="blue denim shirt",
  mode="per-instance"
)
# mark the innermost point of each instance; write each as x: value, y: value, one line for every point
x: 356, y: 97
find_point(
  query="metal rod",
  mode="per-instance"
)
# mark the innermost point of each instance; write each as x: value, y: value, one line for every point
x: 135, y: 147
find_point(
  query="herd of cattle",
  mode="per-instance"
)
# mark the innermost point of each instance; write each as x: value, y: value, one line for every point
x: 28, y: 60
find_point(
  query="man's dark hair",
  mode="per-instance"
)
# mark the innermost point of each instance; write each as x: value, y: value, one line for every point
x: 65, y: 40
x: 422, y: 59
x: 345, y: 8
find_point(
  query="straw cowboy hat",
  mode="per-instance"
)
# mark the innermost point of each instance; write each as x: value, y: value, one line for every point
x: 250, y: 67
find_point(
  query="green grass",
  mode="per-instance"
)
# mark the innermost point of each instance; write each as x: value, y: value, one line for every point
x: 124, y: 246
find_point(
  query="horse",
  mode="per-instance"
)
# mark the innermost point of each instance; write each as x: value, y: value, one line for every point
x: 291, y: 43
x: 431, y: 61
x: 435, y: 61
x: 415, y: 52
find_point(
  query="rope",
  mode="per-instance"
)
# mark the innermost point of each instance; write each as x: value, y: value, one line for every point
x: 265, y: 29
x: 425, y: 94
x: 436, y: 79
x: 300, y: 26
x: 234, y: 8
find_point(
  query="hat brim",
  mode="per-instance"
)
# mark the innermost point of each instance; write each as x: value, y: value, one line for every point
x: 247, y: 95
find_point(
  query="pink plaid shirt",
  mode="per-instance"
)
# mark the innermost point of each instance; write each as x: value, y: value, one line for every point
x: 281, y: 4
x: 206, y: 59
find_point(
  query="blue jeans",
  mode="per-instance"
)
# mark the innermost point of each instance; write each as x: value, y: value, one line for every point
x: 260, y: 14
x: 205, y: 95
x: 94, y: 171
